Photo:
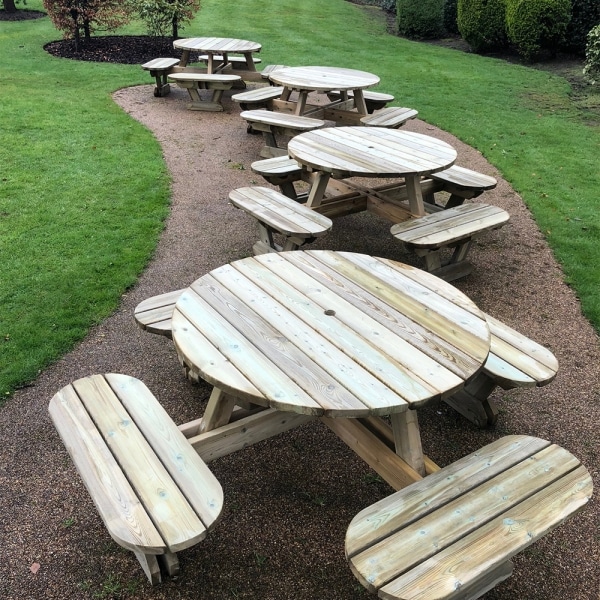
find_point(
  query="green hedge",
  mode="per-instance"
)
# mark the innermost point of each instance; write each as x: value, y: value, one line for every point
x: 420, y: 20
x: 537, y: 26
x: 481, y: 24
x: 585, y: 15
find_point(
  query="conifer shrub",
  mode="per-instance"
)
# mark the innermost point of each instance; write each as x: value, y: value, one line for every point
x: 482, y: 24
x: 536, y: 27
x: 420, y: 20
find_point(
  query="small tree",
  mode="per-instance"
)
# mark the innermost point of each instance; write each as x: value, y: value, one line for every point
x: 77, y: 18
x: 166, y: 16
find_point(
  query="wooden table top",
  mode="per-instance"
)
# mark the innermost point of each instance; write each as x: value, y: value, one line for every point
x: 327, y: 333
x: 371, y: 152
x: 217, y: 45
x: 323, y: 79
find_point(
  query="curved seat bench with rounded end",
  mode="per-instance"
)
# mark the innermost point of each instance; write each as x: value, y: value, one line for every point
x: 216, y: 82
x: 391, y: 117
x: 452, y: 534
x: 160, y: 68
x: 454, y: 228
x: 154, y: 314
x: 515, y: 361
x: 273, y: 124
x: 154, y: 493
x: 278, y: 214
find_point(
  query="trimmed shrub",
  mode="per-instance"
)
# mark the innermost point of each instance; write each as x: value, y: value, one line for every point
x: 164, y: 17
x: 585, y: 15
x: 537, y: 26
x: 451, y: 16
x: 592, y: 56
x: 388, y: 5
x: 420, y: 20
x: 482, y: 24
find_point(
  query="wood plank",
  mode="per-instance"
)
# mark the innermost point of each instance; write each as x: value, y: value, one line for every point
x: 390, y: 514
x: 117, y: 503
x: 253, y: 369
x: 173, y: 516
x: 385, y: 462
x: 201, y: 487
x: 468, y: 512
x: 500, y: 539
x: 245, y: 432
x: 310, y: 357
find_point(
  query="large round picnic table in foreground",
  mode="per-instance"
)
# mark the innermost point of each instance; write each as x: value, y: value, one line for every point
x: 325, y: 333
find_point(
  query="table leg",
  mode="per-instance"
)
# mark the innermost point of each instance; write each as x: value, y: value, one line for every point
x: 317, y: 189
x: 218, y: 410
x: 301, y: 104
x: 359, y: 102
x: 415, y: 195
x: 250, y: 66
x: 185, y: 58
x: 407, y: 439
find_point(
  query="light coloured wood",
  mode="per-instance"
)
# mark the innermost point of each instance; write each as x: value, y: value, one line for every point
x: 154, y: 314
x: 193, y: 82
x: 221, y: 47
x: 392, y: 117
x: 244, y: 432
x: 152, y: 490
x: 454, y: 228
x: 257, y: 98
x: 452, y: 535
x: 329, y: 334
x: 160, y: 68
x: 407, y: 439
x: 374, y: 152
x: 385, y: 462
x: 514, y: 361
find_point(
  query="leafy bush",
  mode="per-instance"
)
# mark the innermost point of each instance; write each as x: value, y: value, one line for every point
x: 420, y: 20
x: 481, y: 24
x: 164, y: 17
x: 450, y: 16
x: 585, y: 14
x: 388, y: 5
x: 591, y: 70
x: 534, y: 26
x: 75, y: 18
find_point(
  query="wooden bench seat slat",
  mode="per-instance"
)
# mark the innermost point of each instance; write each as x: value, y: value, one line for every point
x: 462, y: 177
x: 186, y: 468
x: 117, y: 503
x: 448, y: 226
x: 281, y: 213
x: 503, y: 371
x: 452, y: 534
x: 469, y: 511
x: 492, y: 545
x: 258, y: 95
x: 280, y: 119
x: 154, y: 314
x: 154, y: 493
x: 387, y: 516
x: 391, y: 117
x: 179, y: 525
x: 204, y: 77
x: 279, y: 165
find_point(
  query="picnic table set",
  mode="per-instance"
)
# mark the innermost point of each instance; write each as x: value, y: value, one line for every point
x: 291, y: 335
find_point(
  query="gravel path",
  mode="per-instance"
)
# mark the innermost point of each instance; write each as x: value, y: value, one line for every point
x: 288, y: 500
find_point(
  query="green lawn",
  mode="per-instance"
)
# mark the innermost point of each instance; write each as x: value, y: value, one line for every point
x: 84, y: 190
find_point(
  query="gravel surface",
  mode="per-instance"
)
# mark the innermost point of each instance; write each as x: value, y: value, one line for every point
x: 289, y: 500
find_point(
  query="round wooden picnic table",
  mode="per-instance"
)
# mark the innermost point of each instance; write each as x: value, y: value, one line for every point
x: 330, y: 334
x: 217, y: 46
x: 324, y: 79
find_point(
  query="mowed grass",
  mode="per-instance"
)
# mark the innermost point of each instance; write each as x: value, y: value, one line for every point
x: 84, y: 191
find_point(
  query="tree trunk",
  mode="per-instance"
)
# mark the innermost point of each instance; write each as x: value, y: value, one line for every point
x: 175, y: 28
x: 9, y: 6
